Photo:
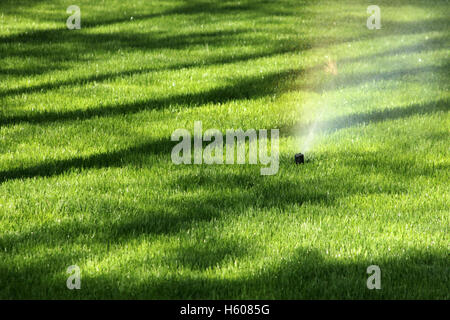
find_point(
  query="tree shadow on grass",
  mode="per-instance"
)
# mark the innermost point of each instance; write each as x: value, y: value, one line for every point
x: 188, y: 8
x: 124, y: 40
x: 182, y: 211
x: 309, y: 274
x: 249, y: 88
x: 101, y: 160
x: 163, y: 147
x: 430, y: 45
x: 132, y: 72
x: 208, y: 255
x: 59, y: 47
x: 390, y: 28
x: 354, y: 80
x: 306, y: 274
x: 225, y: 192
x: 111, y: 16
x: 425, y: 47
x: 62, y: 45
x: 36, y: 278
x: 205, y: 195
x: 355, y: 119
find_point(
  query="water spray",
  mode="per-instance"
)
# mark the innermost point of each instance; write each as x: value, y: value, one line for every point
x: 328, y: 81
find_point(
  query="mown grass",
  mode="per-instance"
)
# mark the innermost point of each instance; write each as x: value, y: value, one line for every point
x: 86, y: 176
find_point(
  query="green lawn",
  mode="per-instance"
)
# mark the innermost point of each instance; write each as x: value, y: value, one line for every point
x: 86, y: 176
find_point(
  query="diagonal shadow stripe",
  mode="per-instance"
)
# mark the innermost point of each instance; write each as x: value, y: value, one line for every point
x: 101, y: 160
x: 164, y: 146
x: 249, y: 88
x: 346, y: 121
x: 111, y: 75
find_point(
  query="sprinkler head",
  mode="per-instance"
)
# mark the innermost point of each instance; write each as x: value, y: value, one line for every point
x: 299, y: 158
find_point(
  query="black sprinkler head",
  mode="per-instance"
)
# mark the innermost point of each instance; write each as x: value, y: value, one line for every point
x: 299, y: 158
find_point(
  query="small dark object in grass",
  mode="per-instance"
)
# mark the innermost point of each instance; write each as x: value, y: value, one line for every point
x: 299, y: 158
